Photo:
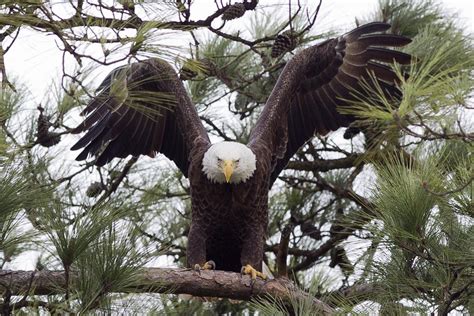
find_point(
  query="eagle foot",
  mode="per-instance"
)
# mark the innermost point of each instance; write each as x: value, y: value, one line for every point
x: 208, y: 265
x: 249, y: 270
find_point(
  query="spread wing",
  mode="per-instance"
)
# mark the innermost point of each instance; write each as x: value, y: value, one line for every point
x: 142, y: 109
x: 320, y: 80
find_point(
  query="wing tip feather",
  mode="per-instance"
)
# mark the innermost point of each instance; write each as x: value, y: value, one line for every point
x: 367, y: 28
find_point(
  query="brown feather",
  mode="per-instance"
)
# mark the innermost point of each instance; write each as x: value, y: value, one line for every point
x: 376, y: 40
x: 380, y: 54
x: 141, y: 126
x: 335, y: 73
x: 383, y: 72
x: 365, y: 29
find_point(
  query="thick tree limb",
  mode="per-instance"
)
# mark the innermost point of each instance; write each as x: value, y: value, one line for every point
x: 162, y: 280
x: 324, y: 164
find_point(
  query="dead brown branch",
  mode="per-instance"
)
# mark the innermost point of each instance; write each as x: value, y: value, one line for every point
x: 324, y: 164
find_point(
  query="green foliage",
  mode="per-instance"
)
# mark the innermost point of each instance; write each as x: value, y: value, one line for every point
x: 13, y: 240
x: 441, y: 80
x: 435, y: 86
x: 430, y: 246
x: 16, y: 184
x: 9, y: 101
x: 435, y: 94
x: 19, y: 195
x: 404, y: 204
x: 111, y: 264
x: 68, y: 98
x: 401, y: 14
x: 72, y: 233
x: 298, y: 304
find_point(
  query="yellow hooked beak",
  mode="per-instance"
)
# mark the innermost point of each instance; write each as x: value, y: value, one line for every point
x: 228, y: 169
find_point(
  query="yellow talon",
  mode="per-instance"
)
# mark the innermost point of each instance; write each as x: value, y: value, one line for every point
x: 248, y: 269
x: 208, y: 265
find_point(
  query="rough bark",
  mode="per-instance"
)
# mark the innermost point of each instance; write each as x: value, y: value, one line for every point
x: 162, y: 280
x: 321, y: 165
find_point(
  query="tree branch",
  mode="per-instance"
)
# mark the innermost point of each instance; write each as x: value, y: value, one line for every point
x: 282, y: 253
x: 324, y: 164
x: 171, y: 281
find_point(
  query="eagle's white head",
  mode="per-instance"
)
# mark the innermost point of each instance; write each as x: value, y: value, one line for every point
x: 228, y: 162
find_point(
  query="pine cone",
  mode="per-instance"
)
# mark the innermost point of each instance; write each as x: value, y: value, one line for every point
x: 43, y: 136
x: 310, y: 230
x: 351, y: 132
x: 284, y: 42
x: 94, y: 189
x: 43, y: 122
x: 235, y: 11
x: 48, y: 140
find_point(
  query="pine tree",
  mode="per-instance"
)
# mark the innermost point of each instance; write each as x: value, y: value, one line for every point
x: 380, y: 222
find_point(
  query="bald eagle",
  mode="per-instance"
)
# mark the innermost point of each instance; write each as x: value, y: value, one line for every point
x: 229, y: 181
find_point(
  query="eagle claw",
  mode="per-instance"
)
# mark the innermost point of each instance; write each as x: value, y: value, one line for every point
x: 249, y: 270
x: 208, y: 265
